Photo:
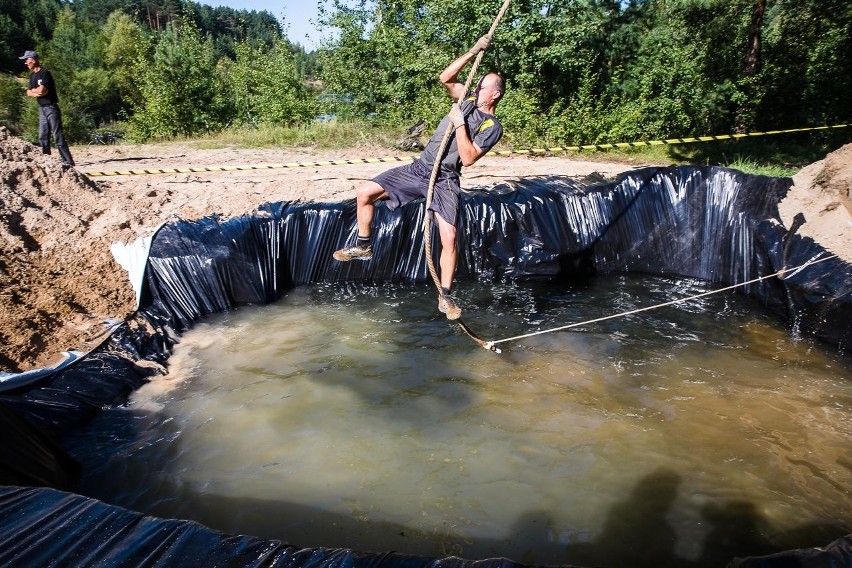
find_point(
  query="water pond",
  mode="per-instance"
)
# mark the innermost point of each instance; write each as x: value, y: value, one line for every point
x: 356, y: 416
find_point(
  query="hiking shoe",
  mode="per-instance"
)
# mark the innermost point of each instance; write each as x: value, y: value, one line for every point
x: 349, y: 253
x: 446, y: 305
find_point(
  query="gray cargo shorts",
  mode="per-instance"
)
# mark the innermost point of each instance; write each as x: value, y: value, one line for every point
x: 411, y: 181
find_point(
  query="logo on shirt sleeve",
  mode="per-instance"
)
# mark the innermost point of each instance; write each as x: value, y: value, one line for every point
x: 486, y: 124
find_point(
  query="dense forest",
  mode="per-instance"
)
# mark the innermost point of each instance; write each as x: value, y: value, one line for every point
x: 577, y: 71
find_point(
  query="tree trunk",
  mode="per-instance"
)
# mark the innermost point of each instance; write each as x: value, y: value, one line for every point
x: 751, y: 63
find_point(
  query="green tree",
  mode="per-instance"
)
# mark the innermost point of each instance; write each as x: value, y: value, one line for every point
x: 24, y: 25
x: 228, y: 27
x: 98, y: 11
x: 123, y: 41
x: 12, y: 36
x: 807, y: 71
x: 307, y: 64
x: 554, y: 45
x: 682, y: 75
x: 180, y: 87
x: 388, y: 54
x: 11, y: 104
x: 39, y: 17
x: 265, y: 87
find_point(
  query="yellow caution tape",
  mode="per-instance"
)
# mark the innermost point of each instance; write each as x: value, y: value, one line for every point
x: 528, y: 151
x: 659, y: 142
x: 252, y: 167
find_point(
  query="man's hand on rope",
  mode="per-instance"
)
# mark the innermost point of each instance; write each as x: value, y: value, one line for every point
x: 456, y: 116
x: 481, y: 44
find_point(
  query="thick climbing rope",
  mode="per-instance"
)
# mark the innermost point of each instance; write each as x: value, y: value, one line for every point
x: 427, y: 221
x: 491, y: 345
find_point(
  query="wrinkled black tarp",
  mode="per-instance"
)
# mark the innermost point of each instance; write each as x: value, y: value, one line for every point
x: 30, y: 457
x: 708, y: 223
x: 45, y: 527
x: 838, y: 554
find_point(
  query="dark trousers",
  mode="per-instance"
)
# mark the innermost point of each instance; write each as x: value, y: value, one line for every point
x: 50, y: 122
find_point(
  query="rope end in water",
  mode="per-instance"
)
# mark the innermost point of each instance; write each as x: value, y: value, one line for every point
x: 489, y: 345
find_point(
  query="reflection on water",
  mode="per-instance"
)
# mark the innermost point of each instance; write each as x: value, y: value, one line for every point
x: 357, y: 417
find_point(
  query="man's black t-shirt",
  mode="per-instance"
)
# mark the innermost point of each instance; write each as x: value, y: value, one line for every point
x: 43, y: 77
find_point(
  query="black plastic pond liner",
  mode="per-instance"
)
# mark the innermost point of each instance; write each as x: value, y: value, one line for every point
x: 709, y: 223
x: 30, y: 457
x: 85, y: 532
x: 46, y: 527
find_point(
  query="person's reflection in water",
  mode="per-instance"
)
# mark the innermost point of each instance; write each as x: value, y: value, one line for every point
x: 736, y: 532
x: 636, y: 532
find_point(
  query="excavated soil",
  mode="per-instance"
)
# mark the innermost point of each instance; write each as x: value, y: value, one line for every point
x: 60, y: 286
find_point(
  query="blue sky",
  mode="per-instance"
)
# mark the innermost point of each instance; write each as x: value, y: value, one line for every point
x: 297, y: 15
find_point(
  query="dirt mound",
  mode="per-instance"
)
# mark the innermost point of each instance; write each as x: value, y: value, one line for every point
x: 835, y: 177
x: 822, y: 192
x: 54, y: 278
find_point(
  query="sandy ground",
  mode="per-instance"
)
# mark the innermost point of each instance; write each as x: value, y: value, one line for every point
x: 59, y: 283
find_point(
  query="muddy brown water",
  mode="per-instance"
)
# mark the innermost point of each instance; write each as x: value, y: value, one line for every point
x: 355, y: 416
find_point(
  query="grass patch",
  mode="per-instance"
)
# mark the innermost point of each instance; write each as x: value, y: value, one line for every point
x: 325, y: 135
x: 779, y: 156
x: 749, y: 166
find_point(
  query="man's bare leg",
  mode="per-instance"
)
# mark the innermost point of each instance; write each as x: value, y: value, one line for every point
x: 449, y: 257
x: 365, y: 199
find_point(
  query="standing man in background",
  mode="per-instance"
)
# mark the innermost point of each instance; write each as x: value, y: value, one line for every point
x: 43, y: 88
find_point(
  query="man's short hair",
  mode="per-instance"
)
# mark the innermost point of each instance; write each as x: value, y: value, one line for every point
x: 499, y: 84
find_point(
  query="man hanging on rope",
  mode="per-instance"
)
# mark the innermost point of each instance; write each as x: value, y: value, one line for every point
x: 476, y: 130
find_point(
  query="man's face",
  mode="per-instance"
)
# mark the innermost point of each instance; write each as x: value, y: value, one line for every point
x: 485, y: 90
x: 30, y: 63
